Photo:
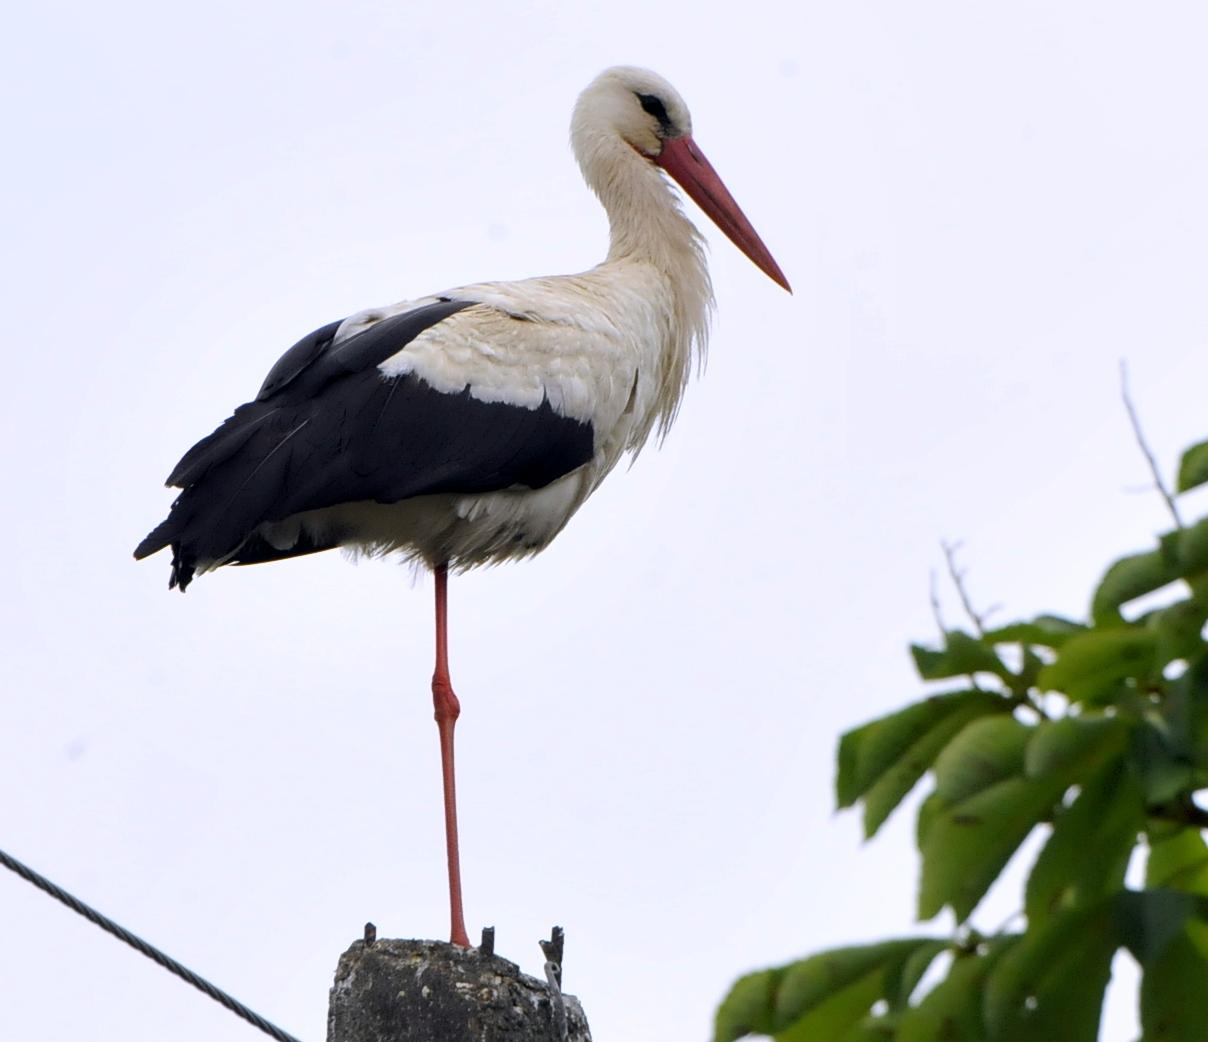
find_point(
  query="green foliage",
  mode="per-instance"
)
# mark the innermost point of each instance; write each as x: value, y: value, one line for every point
x: 1178, y: 860
x: 1174, y: 1001
x: 882, y: 761
x: 1102, y: 664
x: 968, y: 844
x: 1088, y: 850
x: 1132, y: 577
x: 1193, y: 468
x: 1050, y: 985
x: 952, y: 1010
x: 1095, y: 733
x: 960, y: 656
x: 827, y: 995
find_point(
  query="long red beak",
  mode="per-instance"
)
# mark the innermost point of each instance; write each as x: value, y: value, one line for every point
x: 695, y: 174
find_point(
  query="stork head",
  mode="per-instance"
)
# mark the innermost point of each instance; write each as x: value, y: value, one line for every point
x: 643, y: 111
x: 638, y: 105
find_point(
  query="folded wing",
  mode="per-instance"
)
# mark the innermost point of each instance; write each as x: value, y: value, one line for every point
x: 328, y: 427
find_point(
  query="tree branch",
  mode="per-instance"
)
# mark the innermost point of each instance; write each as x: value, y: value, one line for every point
x: 958, y: 581
x: 1180, y: 811
x: 936, y: 612
x: 1145, y: 451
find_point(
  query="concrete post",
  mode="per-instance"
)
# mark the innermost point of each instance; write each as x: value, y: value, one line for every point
x: 431, y: 991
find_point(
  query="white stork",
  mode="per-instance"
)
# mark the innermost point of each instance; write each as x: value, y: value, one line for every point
x: 465, y: 428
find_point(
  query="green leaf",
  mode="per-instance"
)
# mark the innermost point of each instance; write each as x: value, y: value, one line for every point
x: 837, y: 1013
x: 1149, y: 919
x: 986, y: 751
x: 1164, y: 768
x: 1129, y: 578
x: 952, y: 1010
x: 1174, y: 1000
x: 899, y: 992
x: 1192, y: 689
x: 1178, y: 861
x: 826, y: 991
x: 929, y: 811
x: 816, y: 998
x: 883, y: 760
x: 1087, y: 854
x: 1193, y: 467
x: 1091, y: 665
x: 962, y: 655
x: 872, y: 1029
x: 967, y: 845
x: 1179, y: 628
x: 1075, y: 747
x: 747, y: 1010
x: 1192, y: 556
x: 894, y: 785
x: 870, y: 750
x: 1046, y: 631
x: 1031, y: 667
x: 1050, y: 986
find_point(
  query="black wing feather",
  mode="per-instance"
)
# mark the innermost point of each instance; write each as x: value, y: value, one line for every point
x: 329, y: 428
x: 299, y: 357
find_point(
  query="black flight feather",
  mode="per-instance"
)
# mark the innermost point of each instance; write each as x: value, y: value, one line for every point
x: 328, y: 428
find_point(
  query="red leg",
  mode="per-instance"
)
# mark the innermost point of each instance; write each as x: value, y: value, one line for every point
x: 447, y: 711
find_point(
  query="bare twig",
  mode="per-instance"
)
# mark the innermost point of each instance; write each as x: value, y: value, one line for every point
x: 936, y: 612
x: 1149, y: 457
x: 958, y: 581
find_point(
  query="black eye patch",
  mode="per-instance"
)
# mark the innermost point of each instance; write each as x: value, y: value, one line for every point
x: 658, y: 110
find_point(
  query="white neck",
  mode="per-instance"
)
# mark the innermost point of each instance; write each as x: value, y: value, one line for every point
x: 648, y: 226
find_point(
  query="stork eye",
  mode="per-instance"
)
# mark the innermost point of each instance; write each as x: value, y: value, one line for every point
x: 656, y: 108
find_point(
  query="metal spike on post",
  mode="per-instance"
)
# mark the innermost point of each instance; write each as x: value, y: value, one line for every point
x: 552, y: 950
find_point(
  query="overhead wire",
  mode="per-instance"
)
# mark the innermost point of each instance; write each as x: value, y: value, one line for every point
x: 145, y: 948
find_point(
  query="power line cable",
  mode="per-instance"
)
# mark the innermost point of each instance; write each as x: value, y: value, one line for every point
x: 149, y: 950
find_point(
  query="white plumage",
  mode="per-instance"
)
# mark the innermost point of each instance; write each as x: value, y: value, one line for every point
x: 612, y: 347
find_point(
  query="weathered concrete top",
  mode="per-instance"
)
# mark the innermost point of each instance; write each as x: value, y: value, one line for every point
x: 430, y: 991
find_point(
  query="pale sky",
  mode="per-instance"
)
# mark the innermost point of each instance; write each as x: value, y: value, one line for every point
x: 982, y: 209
